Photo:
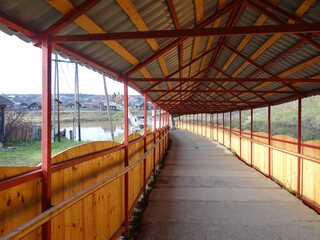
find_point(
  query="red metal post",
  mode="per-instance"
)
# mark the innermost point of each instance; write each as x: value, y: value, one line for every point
x: 299, y: 149
x: 201, y: 119
x: 251, y: 128
x: 269, y: 141
x: 163, y: 119
x: 217, y: 127
x: 126, y: 157
x: 46, y: 133
x: 206, y: 125
x: 160, y: 133
x: 230, y: 130
x: 193, y: 123
x: 210, y: 119
x: 197, y: 124
x: 223, y: 128
x: 240, y: 129
x: 145, y: 143
x: 154, y: 135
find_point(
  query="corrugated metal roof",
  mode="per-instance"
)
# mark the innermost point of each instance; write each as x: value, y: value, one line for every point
x: 121, y: 57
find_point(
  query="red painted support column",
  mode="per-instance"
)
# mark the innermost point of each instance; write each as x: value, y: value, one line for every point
x: 197, y: 124
x: 223, y: 128
x: 240, y: 130
x: 154, y: 135
x: 193, y: 123
x: 46, y: 134
x: 299, y: 149
x: 206, y: 125
x: 126, y: 157
x: 269, y: 141
x: 145, y: 144
x: 230, y: 130
x: 210, y: 125
x: 160, y: 133
x: 217, y: 127
x: 251, y: 144
x: 163, y: 119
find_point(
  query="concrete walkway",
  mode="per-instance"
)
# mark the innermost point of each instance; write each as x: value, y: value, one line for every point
x: 204, y: 192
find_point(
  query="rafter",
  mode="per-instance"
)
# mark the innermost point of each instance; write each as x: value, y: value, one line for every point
x: 175, y: 43
x: 198, y: 5
x: 66, y: 20
x: 299, y: 12
x: 91, y: 27
x: 129, y: 8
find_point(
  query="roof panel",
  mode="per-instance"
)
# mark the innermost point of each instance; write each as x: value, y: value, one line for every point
x: 109, y: 16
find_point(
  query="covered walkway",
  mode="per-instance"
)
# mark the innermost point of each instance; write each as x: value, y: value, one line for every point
x: 204, y: 192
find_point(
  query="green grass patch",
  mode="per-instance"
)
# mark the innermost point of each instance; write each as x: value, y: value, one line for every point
x: 29, y: 153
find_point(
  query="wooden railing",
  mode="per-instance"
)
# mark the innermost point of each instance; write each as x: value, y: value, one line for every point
x: 88, y: 190
x: 278, y: 160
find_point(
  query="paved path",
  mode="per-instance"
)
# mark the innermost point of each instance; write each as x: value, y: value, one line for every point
x: 204, y: 192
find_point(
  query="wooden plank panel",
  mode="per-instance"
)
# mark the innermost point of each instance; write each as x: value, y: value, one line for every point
x: 260, y: 153
x: 284, y: 166
x: 135, y: 150
x: 311, y: 173
x: 80, y: 221
x: 149, y: 160
x: 246, y: 148
x: 21, y: 203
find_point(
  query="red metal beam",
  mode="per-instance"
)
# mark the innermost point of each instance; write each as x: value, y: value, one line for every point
x: 126, y: 158
x: 228, y: 79
x: 175, y: 43
x: 145, y: 143
x: 196, y: 32
x: 46, y: 134
x: 269, y: 141
x: 282, y: 56
x: 154, y: 135
x: 240, y: 84
x: 203, y: 101
x: 159, y: 80
x: 66, y: 20
x: 222, y: 91
x: 259, y: 67
x: 285, y: 14
x: 299, y: 148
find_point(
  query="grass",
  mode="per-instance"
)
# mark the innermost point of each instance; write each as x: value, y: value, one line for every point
x: 29, y: 153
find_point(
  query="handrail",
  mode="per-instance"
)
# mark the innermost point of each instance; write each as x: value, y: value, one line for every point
x: 312, y: 159
x: 309, y: 158
x: 264, y: 137
x: 42, y: 218
x: 32, y: 175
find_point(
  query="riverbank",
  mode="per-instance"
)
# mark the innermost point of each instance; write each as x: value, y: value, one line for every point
x: 29, y: 153
x: 88, y: 118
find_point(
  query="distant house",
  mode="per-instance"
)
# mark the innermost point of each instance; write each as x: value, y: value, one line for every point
x: 149, y: 106
x: 34, y: 106
x: 96, y: 99
x: 112, y: 105
x: 70, y: 105
x: 24, y: 106
x: 4, y: 103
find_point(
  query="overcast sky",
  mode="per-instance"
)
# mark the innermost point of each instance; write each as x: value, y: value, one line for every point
x: 20, y: 71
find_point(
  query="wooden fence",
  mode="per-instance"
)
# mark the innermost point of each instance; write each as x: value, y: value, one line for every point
x: 24, y: 133
x: 279, y: 160
x: 81, y: 209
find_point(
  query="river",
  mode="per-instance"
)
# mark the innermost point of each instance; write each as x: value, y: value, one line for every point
x: 96, y: 133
